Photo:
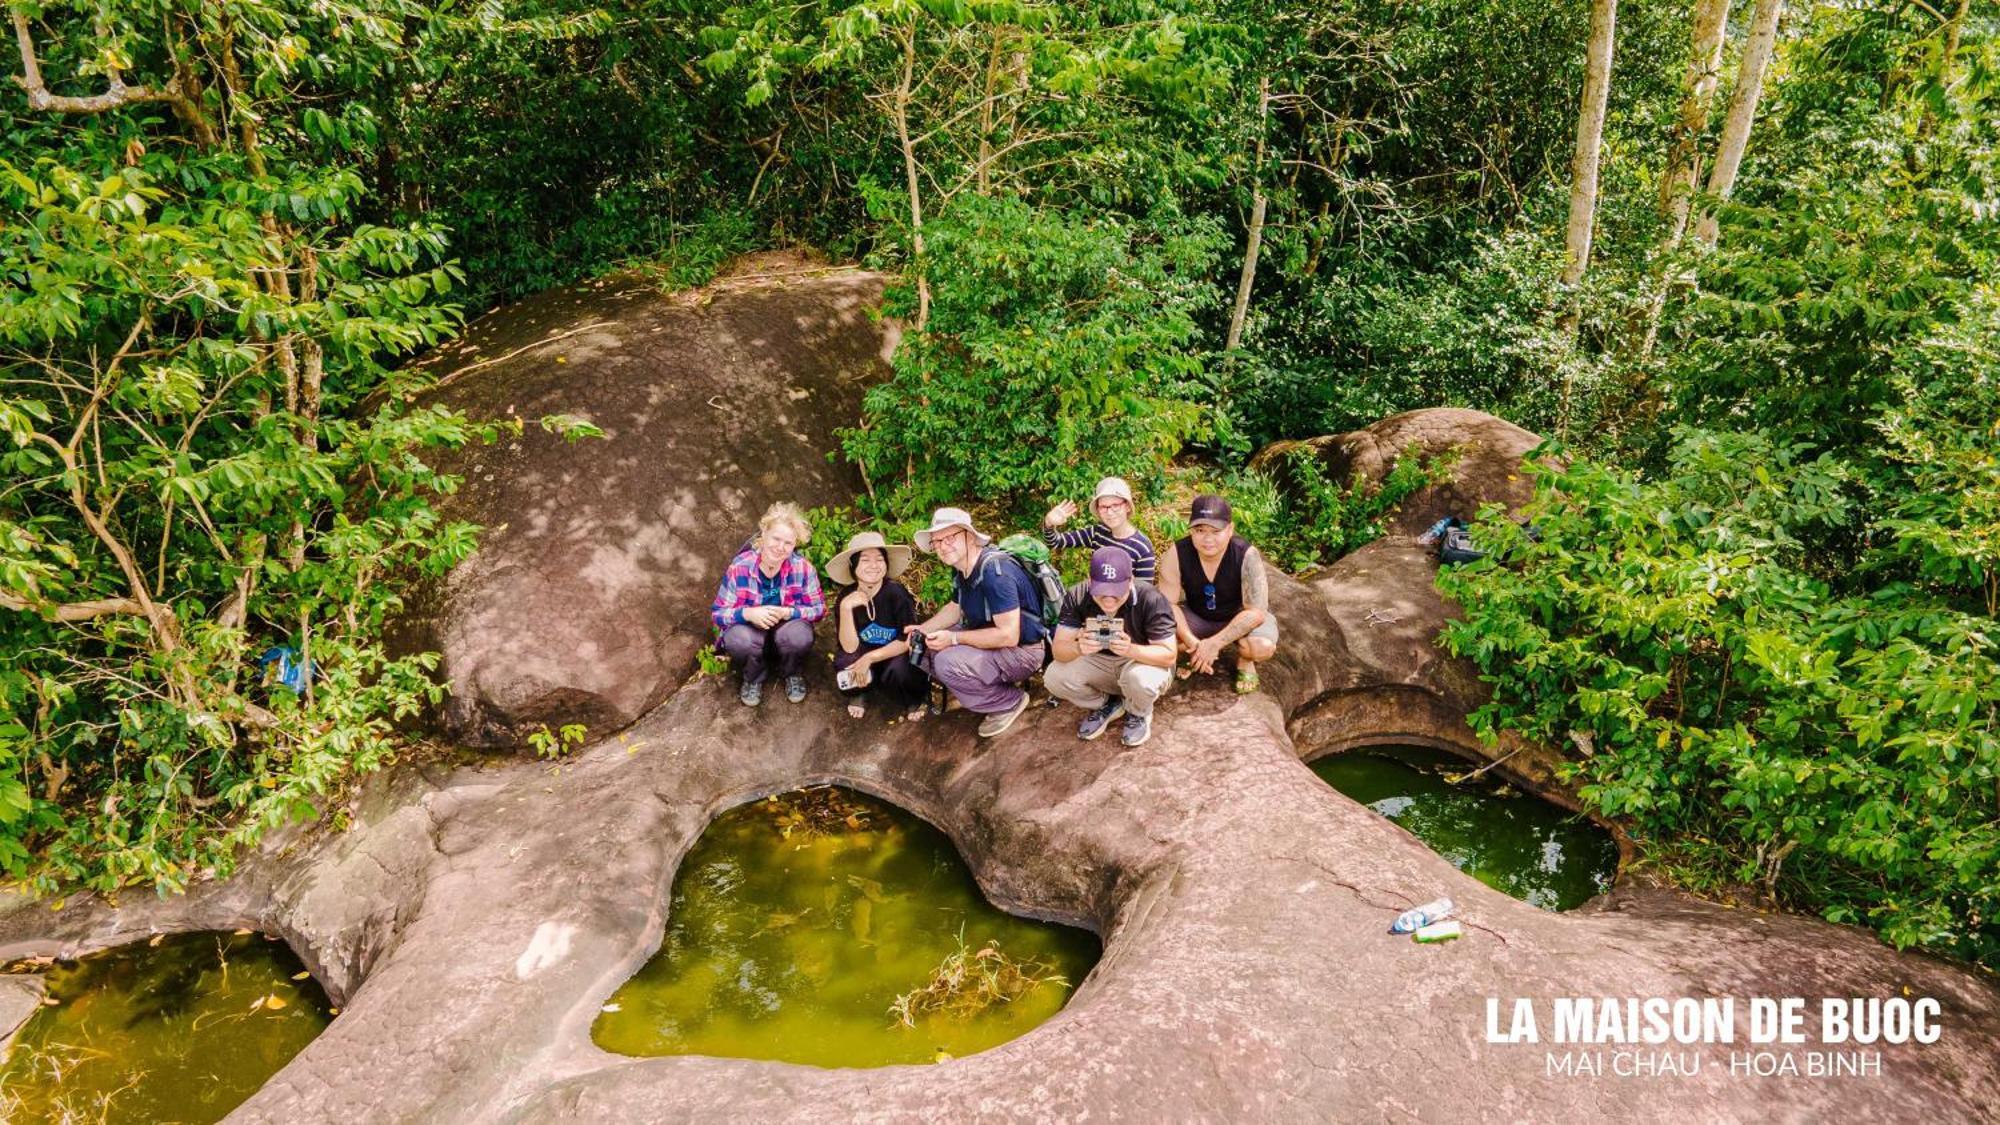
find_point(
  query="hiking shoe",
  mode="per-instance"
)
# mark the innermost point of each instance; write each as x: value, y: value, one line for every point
x: 795, y: 688
x: 1099, y: 721
x: 751, y: 694
x: 1138, y: 728
x: 998, y: 722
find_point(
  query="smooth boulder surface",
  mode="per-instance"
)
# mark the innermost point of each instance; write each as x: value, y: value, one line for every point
x: 1247, y: 974
x: 589, y: 592
x: 1397, y: 684
x: 480, y: 910
x: 1488, y: 468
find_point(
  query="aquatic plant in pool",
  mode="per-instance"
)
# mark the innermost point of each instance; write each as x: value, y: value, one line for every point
x: 180, y: 1028
x: 1511, y: 841
x: 825, y: 927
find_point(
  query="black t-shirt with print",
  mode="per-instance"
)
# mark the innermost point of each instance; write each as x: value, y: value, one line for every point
x: 891, y: 609
x: 1147, y: 616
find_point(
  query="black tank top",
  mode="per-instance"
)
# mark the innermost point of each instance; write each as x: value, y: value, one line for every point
x: 1217, y: 599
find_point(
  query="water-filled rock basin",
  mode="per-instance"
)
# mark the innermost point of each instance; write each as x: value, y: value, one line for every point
x: 180, y: 1028
x: 1510, y: 840
x: 826, y: 927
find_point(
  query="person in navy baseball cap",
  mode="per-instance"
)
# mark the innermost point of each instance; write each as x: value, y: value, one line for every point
x: 1113, y: 648
x: 1110, y: 574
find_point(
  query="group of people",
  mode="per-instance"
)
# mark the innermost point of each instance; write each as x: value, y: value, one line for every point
x: 1119, y: 639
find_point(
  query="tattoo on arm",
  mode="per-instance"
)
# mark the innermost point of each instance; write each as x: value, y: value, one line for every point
x: 1256, y: 600
x: 1256, y: 587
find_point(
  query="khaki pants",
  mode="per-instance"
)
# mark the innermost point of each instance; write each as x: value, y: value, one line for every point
x: 1092, y: 679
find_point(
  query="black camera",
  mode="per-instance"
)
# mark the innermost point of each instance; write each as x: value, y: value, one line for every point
x: 917, y: 646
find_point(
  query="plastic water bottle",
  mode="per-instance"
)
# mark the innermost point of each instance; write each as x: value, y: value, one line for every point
x: 1417, y: 917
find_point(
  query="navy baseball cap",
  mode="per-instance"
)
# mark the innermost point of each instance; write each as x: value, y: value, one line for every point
x: 1110, y: 572
x: 1210, y: 510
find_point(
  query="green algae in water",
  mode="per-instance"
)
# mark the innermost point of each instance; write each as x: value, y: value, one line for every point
x: 798, y: 921
x: 1513, y: 842
x: 181, y: 1031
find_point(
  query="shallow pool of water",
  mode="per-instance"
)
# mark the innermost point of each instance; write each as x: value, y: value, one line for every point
x: 799, y: 922
x: 182, y: 1028
x: 1510, y: 840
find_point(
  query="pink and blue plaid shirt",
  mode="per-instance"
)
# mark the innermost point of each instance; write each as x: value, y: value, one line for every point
x: 742, y: 588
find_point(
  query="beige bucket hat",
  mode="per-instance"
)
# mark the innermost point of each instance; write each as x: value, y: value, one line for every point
x: 840, y: 567
x: 949, y: 517
x: 1112, y: 486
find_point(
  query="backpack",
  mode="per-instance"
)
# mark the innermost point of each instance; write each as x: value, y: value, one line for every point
x: 1451, y: 542
x: 1033, y: 556
x: 1456, y: 546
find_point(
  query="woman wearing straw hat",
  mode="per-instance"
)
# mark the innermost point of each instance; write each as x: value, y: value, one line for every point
x: 873, y: 658
x: 1112, y: 506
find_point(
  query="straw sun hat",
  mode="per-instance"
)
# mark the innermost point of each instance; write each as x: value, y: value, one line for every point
x: 841, y: 566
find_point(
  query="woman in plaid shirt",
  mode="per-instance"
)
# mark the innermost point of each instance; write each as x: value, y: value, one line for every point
x: 768, y: 603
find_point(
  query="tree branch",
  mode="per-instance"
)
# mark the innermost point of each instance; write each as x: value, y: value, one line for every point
x: 116, y: 93
x: 73, y: 611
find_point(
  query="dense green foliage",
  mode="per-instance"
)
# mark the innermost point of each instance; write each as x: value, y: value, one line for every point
x: 1745, y: 717
x: 1769, y: 577
x: 1301, y: 519
x: 1059, y: 350
x: 208, y: 457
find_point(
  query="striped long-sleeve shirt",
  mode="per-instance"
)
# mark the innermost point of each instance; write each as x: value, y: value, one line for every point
x: 742, y: 587
x: 1144, y: 563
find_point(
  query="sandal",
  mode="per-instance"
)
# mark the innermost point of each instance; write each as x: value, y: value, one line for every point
x: 857, y: 710
x: 1246, y: 680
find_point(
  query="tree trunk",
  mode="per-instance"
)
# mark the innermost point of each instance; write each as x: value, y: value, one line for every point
x: 1683, y: 171
x: 1742, y: 112
x: 1589, y: 138
x: 1257, y: 204
x: 902, y: 113
x: 1954, y: 26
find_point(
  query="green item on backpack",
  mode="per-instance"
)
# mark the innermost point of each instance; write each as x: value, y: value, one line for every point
x: 1033, y: 555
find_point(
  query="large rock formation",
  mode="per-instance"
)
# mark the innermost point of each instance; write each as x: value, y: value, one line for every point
x: 588, y: 594
x: 477, y: 915
x: 1488, y: 454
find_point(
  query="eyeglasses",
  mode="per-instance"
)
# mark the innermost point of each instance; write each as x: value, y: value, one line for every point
x: 1208, y: 595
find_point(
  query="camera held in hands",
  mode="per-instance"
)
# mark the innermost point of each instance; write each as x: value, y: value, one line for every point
x: 852, y: 679
x: 1104, y: 629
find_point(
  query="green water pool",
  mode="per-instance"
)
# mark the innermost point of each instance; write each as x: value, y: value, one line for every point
x: 1510, y: 840
x: 799, y: 922
x: 180, y: 1029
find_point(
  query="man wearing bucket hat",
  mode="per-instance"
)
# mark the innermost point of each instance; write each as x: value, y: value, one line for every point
x: 1114, y: 648
x: 1220, y: 592
x: 1113, y: 508
x: 873, y: 658
x: 985, y: 643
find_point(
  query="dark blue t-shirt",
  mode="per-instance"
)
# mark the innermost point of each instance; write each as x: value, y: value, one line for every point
x: 998, y: 584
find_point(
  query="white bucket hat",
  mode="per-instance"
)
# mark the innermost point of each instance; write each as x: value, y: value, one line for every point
x: 949, y: 517
x: 1112, y: 486
x: 840, y: 567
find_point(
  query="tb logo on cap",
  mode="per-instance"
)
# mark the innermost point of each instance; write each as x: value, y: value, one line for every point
x: 1109, y: 572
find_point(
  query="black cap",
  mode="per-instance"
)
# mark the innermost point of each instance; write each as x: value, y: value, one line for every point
x: 1210, y: 510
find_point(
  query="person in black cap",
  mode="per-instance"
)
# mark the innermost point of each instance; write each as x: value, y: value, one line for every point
x: 1221, y: 594
x: 1114, y: 648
